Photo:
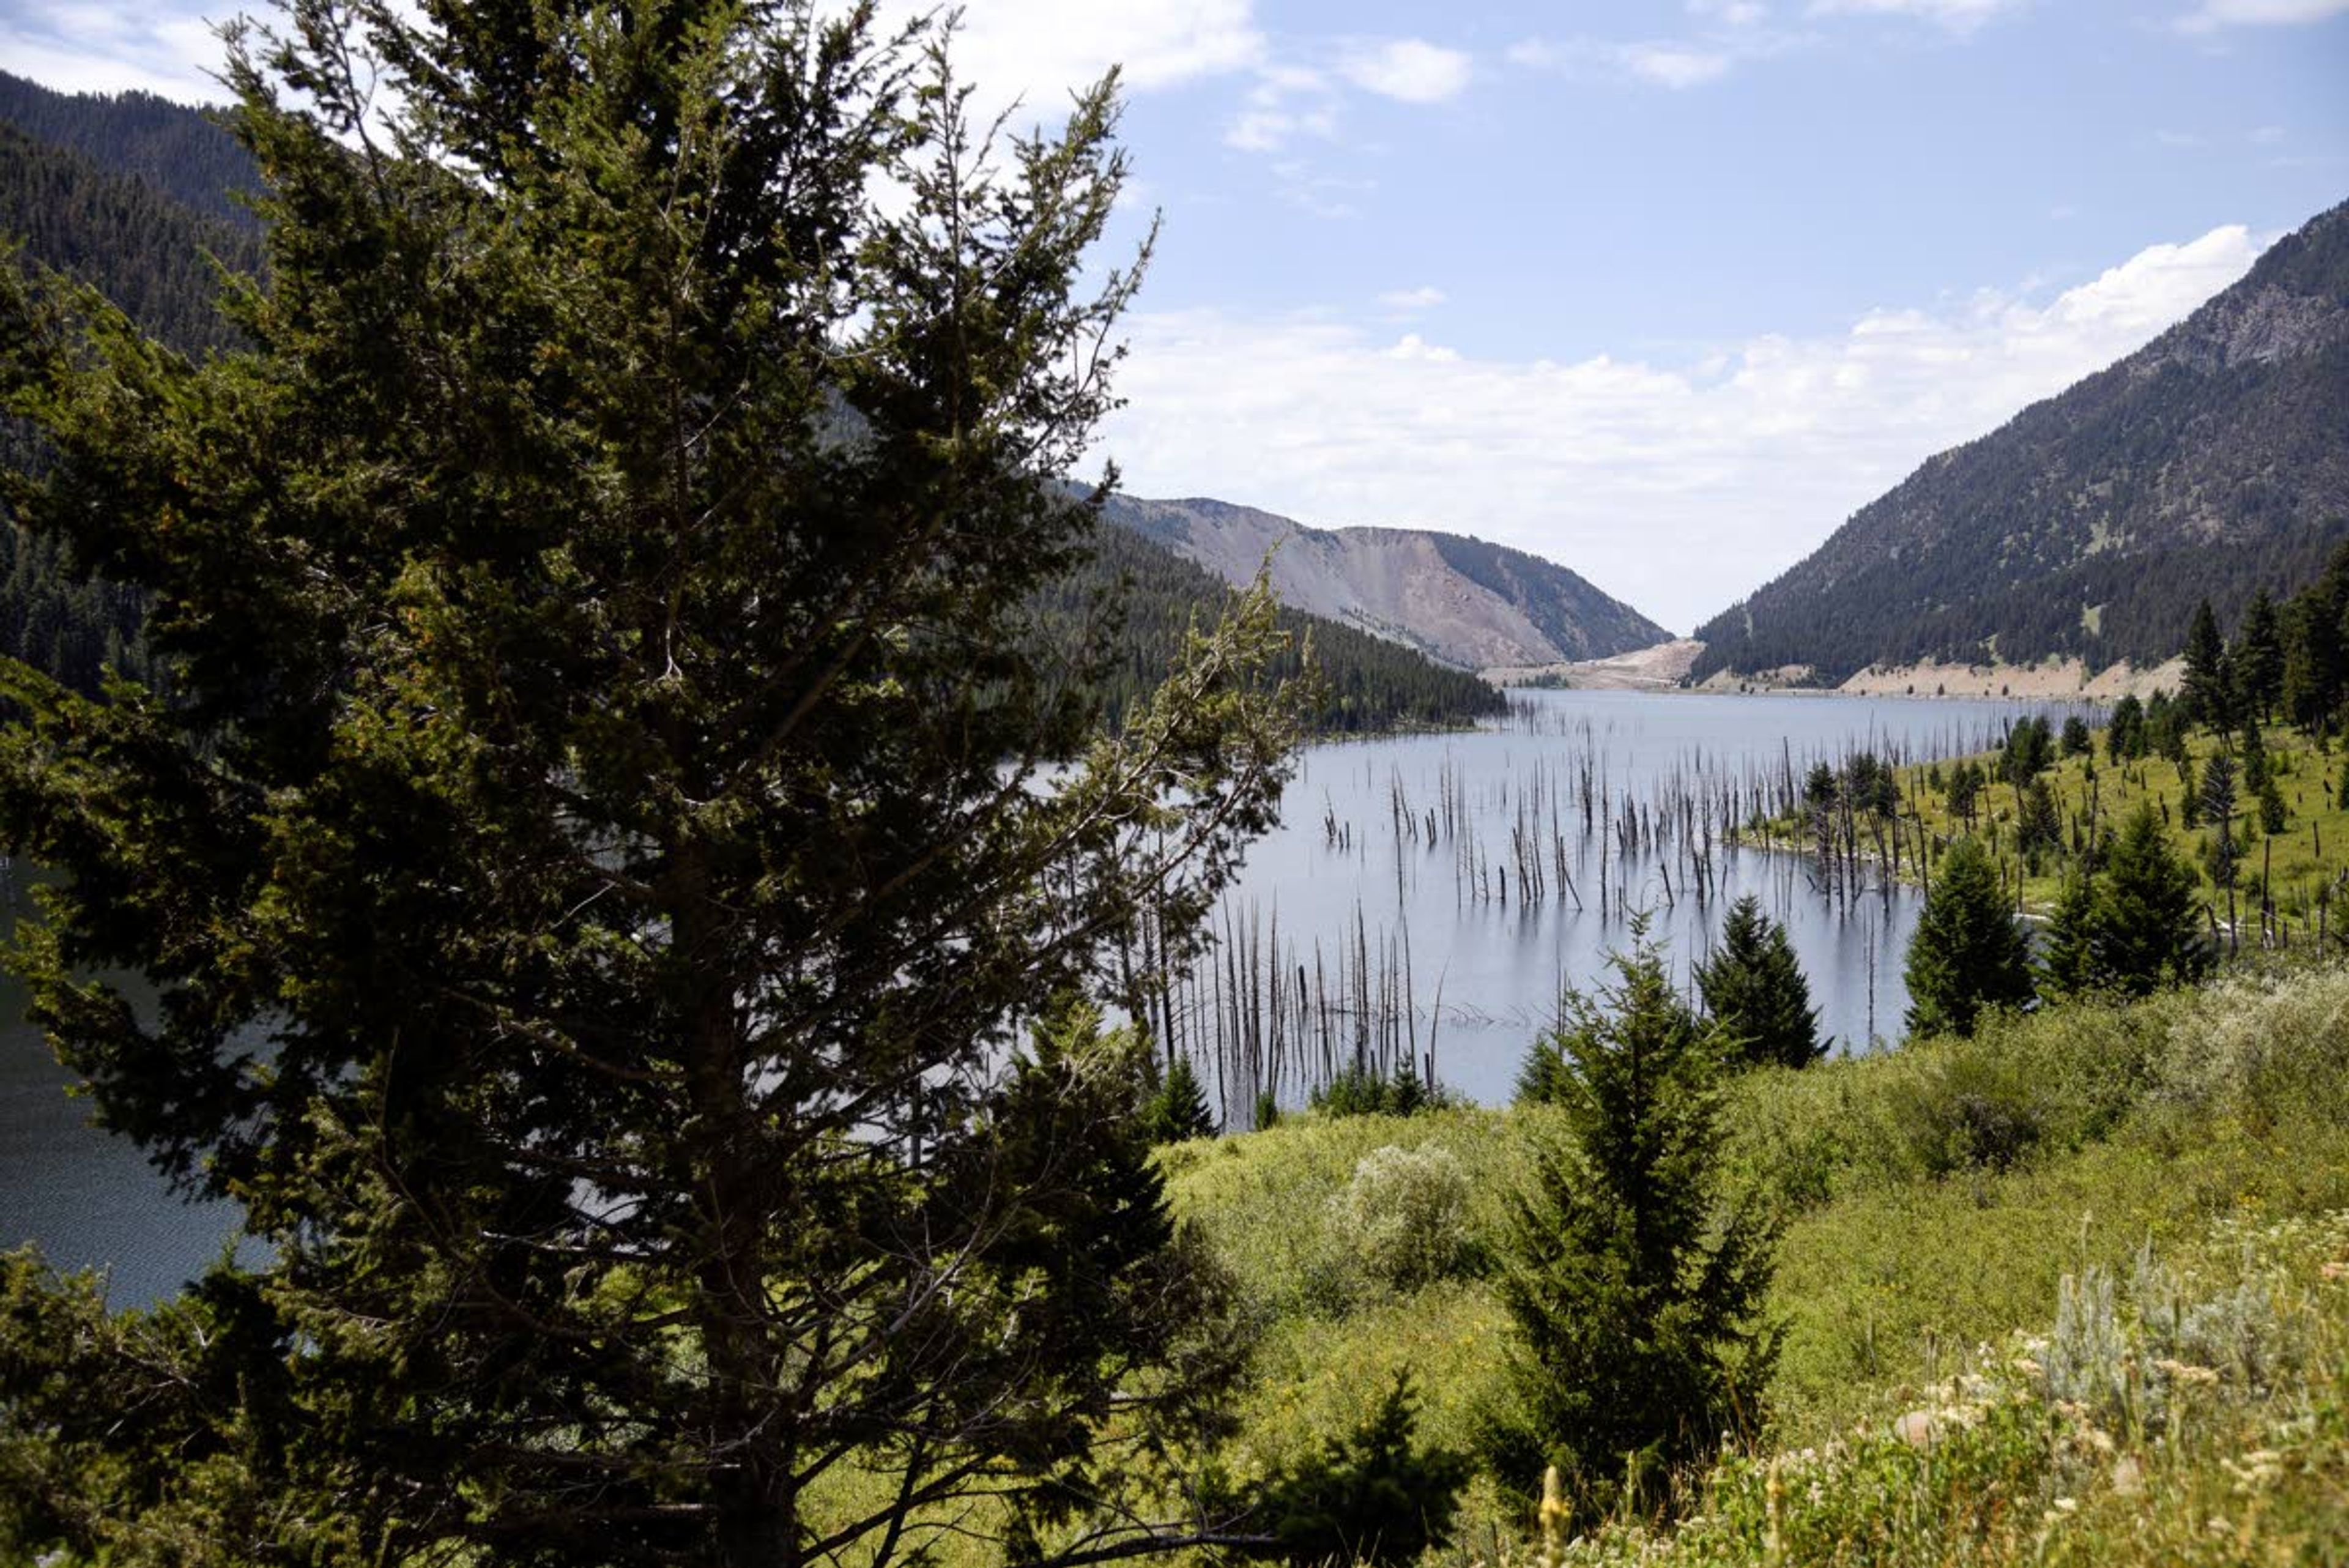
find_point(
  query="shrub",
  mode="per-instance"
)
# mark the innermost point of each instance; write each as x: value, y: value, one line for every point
x: 1403, y: 1218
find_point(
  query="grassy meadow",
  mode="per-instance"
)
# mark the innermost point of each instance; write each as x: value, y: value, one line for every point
x: 2093, y: 1257
x: 2296, y: 866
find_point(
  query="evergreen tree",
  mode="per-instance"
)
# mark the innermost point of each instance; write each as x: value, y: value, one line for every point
x: 2148, y: 928
x: 2258, y: 660
x: 2077, y: 742
x: 2125, y: 740
x: 2206, y: 699
x: 1635, y: 1300
x: 1755, y: 990
x: 1967, y: 952
x: 1965, y: 788
x: 2259, y: 780
x: 2215, y: 803
x: 1177, y: 1109
x: 2039, y: 826
x: 2067, y: 953
x: 611, y: 824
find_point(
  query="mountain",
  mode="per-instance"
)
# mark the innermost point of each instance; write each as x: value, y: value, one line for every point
x: 2211, y: 463
x: 1370, y: 684
x: 1463, y: 600
x: 185, y: 154
x: 83, y: 187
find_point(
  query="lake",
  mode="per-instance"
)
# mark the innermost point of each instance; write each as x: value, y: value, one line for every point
x: 1347, y: 930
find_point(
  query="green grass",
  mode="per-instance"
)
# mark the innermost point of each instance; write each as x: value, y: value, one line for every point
x: 2309, y: 855
x: 1936, y: 1197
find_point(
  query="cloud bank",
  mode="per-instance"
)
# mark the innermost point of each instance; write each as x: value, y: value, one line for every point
x: 1680, y: 487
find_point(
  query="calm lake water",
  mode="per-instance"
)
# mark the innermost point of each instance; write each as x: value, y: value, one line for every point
x: 1340, y: 887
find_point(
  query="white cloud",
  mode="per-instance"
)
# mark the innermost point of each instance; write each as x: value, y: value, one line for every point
x: 115, y: 48
x: 1679, y: 486
x: 1041, y: 50
x: 1960, y: 15
x: 1667, y: 65
x: 1673, y: 67
x: 2212, y: 15
x: 1411, y: 300
x: 1410, y: 69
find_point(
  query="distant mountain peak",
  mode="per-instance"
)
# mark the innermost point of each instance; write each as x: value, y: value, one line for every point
x: 2212, y: 462
x: 1459, y: 600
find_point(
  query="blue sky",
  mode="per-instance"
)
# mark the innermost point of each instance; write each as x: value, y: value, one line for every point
x: 1663, y: 291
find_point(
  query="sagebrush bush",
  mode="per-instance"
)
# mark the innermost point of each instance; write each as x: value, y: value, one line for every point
x: 1403, y: 1218
x: 2263, y: 1048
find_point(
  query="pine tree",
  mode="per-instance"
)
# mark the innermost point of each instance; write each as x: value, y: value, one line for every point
x: 2148, y: 927
x: 2125, y: 740
x: 2067, y: 962
x: 1177, y: 1109
x: 2206, y: 698
x: 1755, y: 990
x: 2258, y: 660
x: 1968, y: 953
x: 2039, y: 825
x: 1635, y: 1299
x: 612, y: 823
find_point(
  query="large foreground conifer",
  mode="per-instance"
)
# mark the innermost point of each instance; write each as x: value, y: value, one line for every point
x: 604, y: 827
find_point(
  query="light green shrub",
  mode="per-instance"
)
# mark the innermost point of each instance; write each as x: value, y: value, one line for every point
x: 1403, y: 1218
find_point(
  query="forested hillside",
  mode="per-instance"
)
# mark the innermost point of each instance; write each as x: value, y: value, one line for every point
x: 182, y: 153
x: 72, y: 205
x: 2212, y: 463
x: 1370, y: 684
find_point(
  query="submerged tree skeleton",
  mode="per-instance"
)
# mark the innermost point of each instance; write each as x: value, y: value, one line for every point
x: 604, y: 832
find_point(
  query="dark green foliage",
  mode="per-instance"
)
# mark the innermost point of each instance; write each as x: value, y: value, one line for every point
x: 2039, y: 825
x: 2030, y: 751
x: 1368, y: 1497
x: 2100, y: 499
x: 2165, y: 729
x: 1756, y: 992
x: 1176, y: 1107
x: 1968, y: 953
x: 610, y: 824
x: 2125, y: 738
x: 1633, y: 1291
x: 2207, y: 697
x: 1871, y: 785
x: 2258, y: 660
x: 1819, y: 786
x: 2215, y: 805
x: 1132, y: 603
x: 2149, y: 930
x: 1966, y: 780
x: 2315, y: 668
x: 1363, y: 1090
x: 2067, y: 948
x: 2077, y: 742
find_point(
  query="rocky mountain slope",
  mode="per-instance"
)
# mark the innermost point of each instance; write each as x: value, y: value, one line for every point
x: 1465, y: 601
x: 2211, y: 463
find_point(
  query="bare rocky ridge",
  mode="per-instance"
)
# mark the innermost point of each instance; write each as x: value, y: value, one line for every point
x: 1459, y: 599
